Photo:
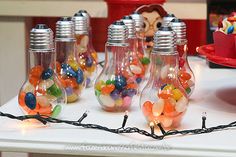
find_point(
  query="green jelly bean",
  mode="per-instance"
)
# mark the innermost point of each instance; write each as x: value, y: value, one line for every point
x: 108, y: 82
x: 54, y: 90
x: 97, y: 93
x: 145, y: 60
x: 188, y: 90
x: 56, y: 111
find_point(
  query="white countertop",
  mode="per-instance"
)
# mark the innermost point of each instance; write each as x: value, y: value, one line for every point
x: 214, y: 93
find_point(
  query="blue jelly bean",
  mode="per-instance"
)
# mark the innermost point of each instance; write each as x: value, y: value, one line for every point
x: 30, y: 100
x: 68, y: 70
x: 47, y: 74
x: 80, y: 76
x: 131, y: 92
x: 124, y: 92
x: 230, y: 30
x: 138, y: 80
x: 115, y: 94
x: 89, y: 62
x: 120, y: 82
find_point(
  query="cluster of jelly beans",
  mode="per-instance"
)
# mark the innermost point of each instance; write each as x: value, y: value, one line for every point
x: 144, y: 60
x: 169, y: 108
x: 115, y: 94
x: 137, y: 69
x: 72, y: 79
x: 186, y: 80
x: 228, y: 25
x: 39, y: 92
x: 87, y: 59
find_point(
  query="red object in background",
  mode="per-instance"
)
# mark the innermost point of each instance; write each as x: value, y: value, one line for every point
x: 118, y: 8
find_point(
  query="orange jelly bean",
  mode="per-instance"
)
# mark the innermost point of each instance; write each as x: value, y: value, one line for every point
x: 58, y: 67
x: 147, y: 108
x: 71, y: 82
x: 168, y: 107
x: 36, y: 71
x: 185, y: 76
x: 107, y: 89
x: 164, y: 94
x: 131, y: 85
x: 21, y: 99
x: 34, y: 80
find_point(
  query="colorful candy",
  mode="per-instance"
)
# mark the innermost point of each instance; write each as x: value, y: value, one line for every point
x: 227, y: 26
x: 170, y: 103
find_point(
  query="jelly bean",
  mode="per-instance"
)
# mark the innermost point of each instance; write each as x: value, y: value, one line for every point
x: 42, y: 101
x: 69, y: 91
x: 67, y: 70
x: 45, y: 110
x: 110, y: 82
x: 47, y: 74
x: 135, y: 69
x: 72, y: 98
x: 45, y: 84
x: 188, y: 90
x: 230, y: 30
x: 169, y: 87
x: 139, y: 80
x: 120, y: 82
x: 107, y: 89
x: 158, y: 107
x: 119, y: 102
x: 97, y: 93
x: 71, y: 82
x: 58, y: 67
x: 177, y: 94
x: 164, y: 94
x: 147, y: 108
x: 56, y: 111
x: 89, y: 61
x: 131, y: 79
x: 28, y: 87
x: 185, y: 75
x: 36, y: 71
x: 21, y: 98
x: 127, y: 101
x: 30, y: 100
x: 33, y: 80
x: 181, y: 104
x: 166, y: 121
x: 73, y: 64
x: 132, y: 85
x: 54, y: 90
x: 107, y: 101
x: 95, y: 56
x: 145, y: 60
x: 168, y: 107
x: 231, y: 19
x: 131, y: 92
x: 115, y: 94
x: 162, y: 87
x: 99, y: 85
x: 80, y: 76
x: 164, y: 71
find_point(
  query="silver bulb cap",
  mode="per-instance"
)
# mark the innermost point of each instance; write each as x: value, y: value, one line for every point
x: 80, y: 22
x: 180, y: 29
x: 130, y: 23
x: 87, y: 15
x: 139, y: 21
x: 165, y: 41
x: 167, y: 19
x: 117, y: 33
x: 41, y: 38
x: 65, y: 30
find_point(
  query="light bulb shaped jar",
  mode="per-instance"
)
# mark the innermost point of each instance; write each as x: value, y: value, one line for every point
x: 90, y: 43
x: 163, y: 100
x: 143, y: 55
x: 86, y: 61
x: 135, y: 65
x: 42, y: 92
x: 167, y: 19
x: 185, y: 74
x: 116, y: 86
x: 68, y: 70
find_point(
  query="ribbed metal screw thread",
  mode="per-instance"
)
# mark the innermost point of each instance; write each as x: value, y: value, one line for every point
x: 180, y: 29
x: 65, y: 29
x: 81, y: 24
x: 130, y: 23
x: 139, y: 21
x: 167, y: 19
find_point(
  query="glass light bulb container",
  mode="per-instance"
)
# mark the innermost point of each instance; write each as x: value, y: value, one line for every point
x: 116, y: 85
x: 163, y: 100
x: 42, y: 92
x: 68, y: 70
x: 135, y: 64
x: 185, y: 74
x: 86, y: 60
x: 90, y: 43
x: 143, y: 55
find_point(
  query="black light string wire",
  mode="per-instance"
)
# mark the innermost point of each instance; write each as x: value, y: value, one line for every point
x: 125, y: 130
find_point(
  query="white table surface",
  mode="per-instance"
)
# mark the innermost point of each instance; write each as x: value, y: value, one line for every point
x: 215, y: 93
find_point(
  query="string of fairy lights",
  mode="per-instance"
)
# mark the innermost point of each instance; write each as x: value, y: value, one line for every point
x: 123, y: 129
